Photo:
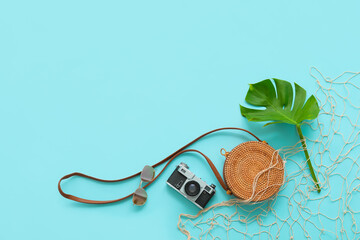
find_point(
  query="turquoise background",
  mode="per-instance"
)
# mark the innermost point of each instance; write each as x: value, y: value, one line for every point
x: 105, y: 87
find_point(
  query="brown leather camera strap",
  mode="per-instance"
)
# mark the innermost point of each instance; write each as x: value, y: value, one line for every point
x: 168, y: 159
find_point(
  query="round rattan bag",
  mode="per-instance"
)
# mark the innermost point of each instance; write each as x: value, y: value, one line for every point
x: 253, y: 171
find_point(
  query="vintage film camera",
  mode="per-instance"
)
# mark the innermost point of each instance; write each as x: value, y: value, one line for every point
x: 190, y: 186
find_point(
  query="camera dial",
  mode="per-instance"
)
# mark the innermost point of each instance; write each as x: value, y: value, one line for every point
x: 184, y: 165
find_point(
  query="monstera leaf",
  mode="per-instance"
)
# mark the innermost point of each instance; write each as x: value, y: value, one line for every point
x: 282, y: 106
x: 279, y: 104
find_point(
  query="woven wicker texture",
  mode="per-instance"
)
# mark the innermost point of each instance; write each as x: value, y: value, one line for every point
x: 254, y: 171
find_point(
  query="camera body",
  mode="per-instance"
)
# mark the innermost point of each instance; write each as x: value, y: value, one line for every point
x: 190, y: 186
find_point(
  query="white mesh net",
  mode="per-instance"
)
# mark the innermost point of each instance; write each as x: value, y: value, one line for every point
x: 298, y: 211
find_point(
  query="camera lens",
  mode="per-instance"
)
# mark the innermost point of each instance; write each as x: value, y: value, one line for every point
x: 192, y: 188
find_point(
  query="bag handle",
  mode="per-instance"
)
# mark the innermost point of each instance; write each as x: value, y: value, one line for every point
x: 168, y: 159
